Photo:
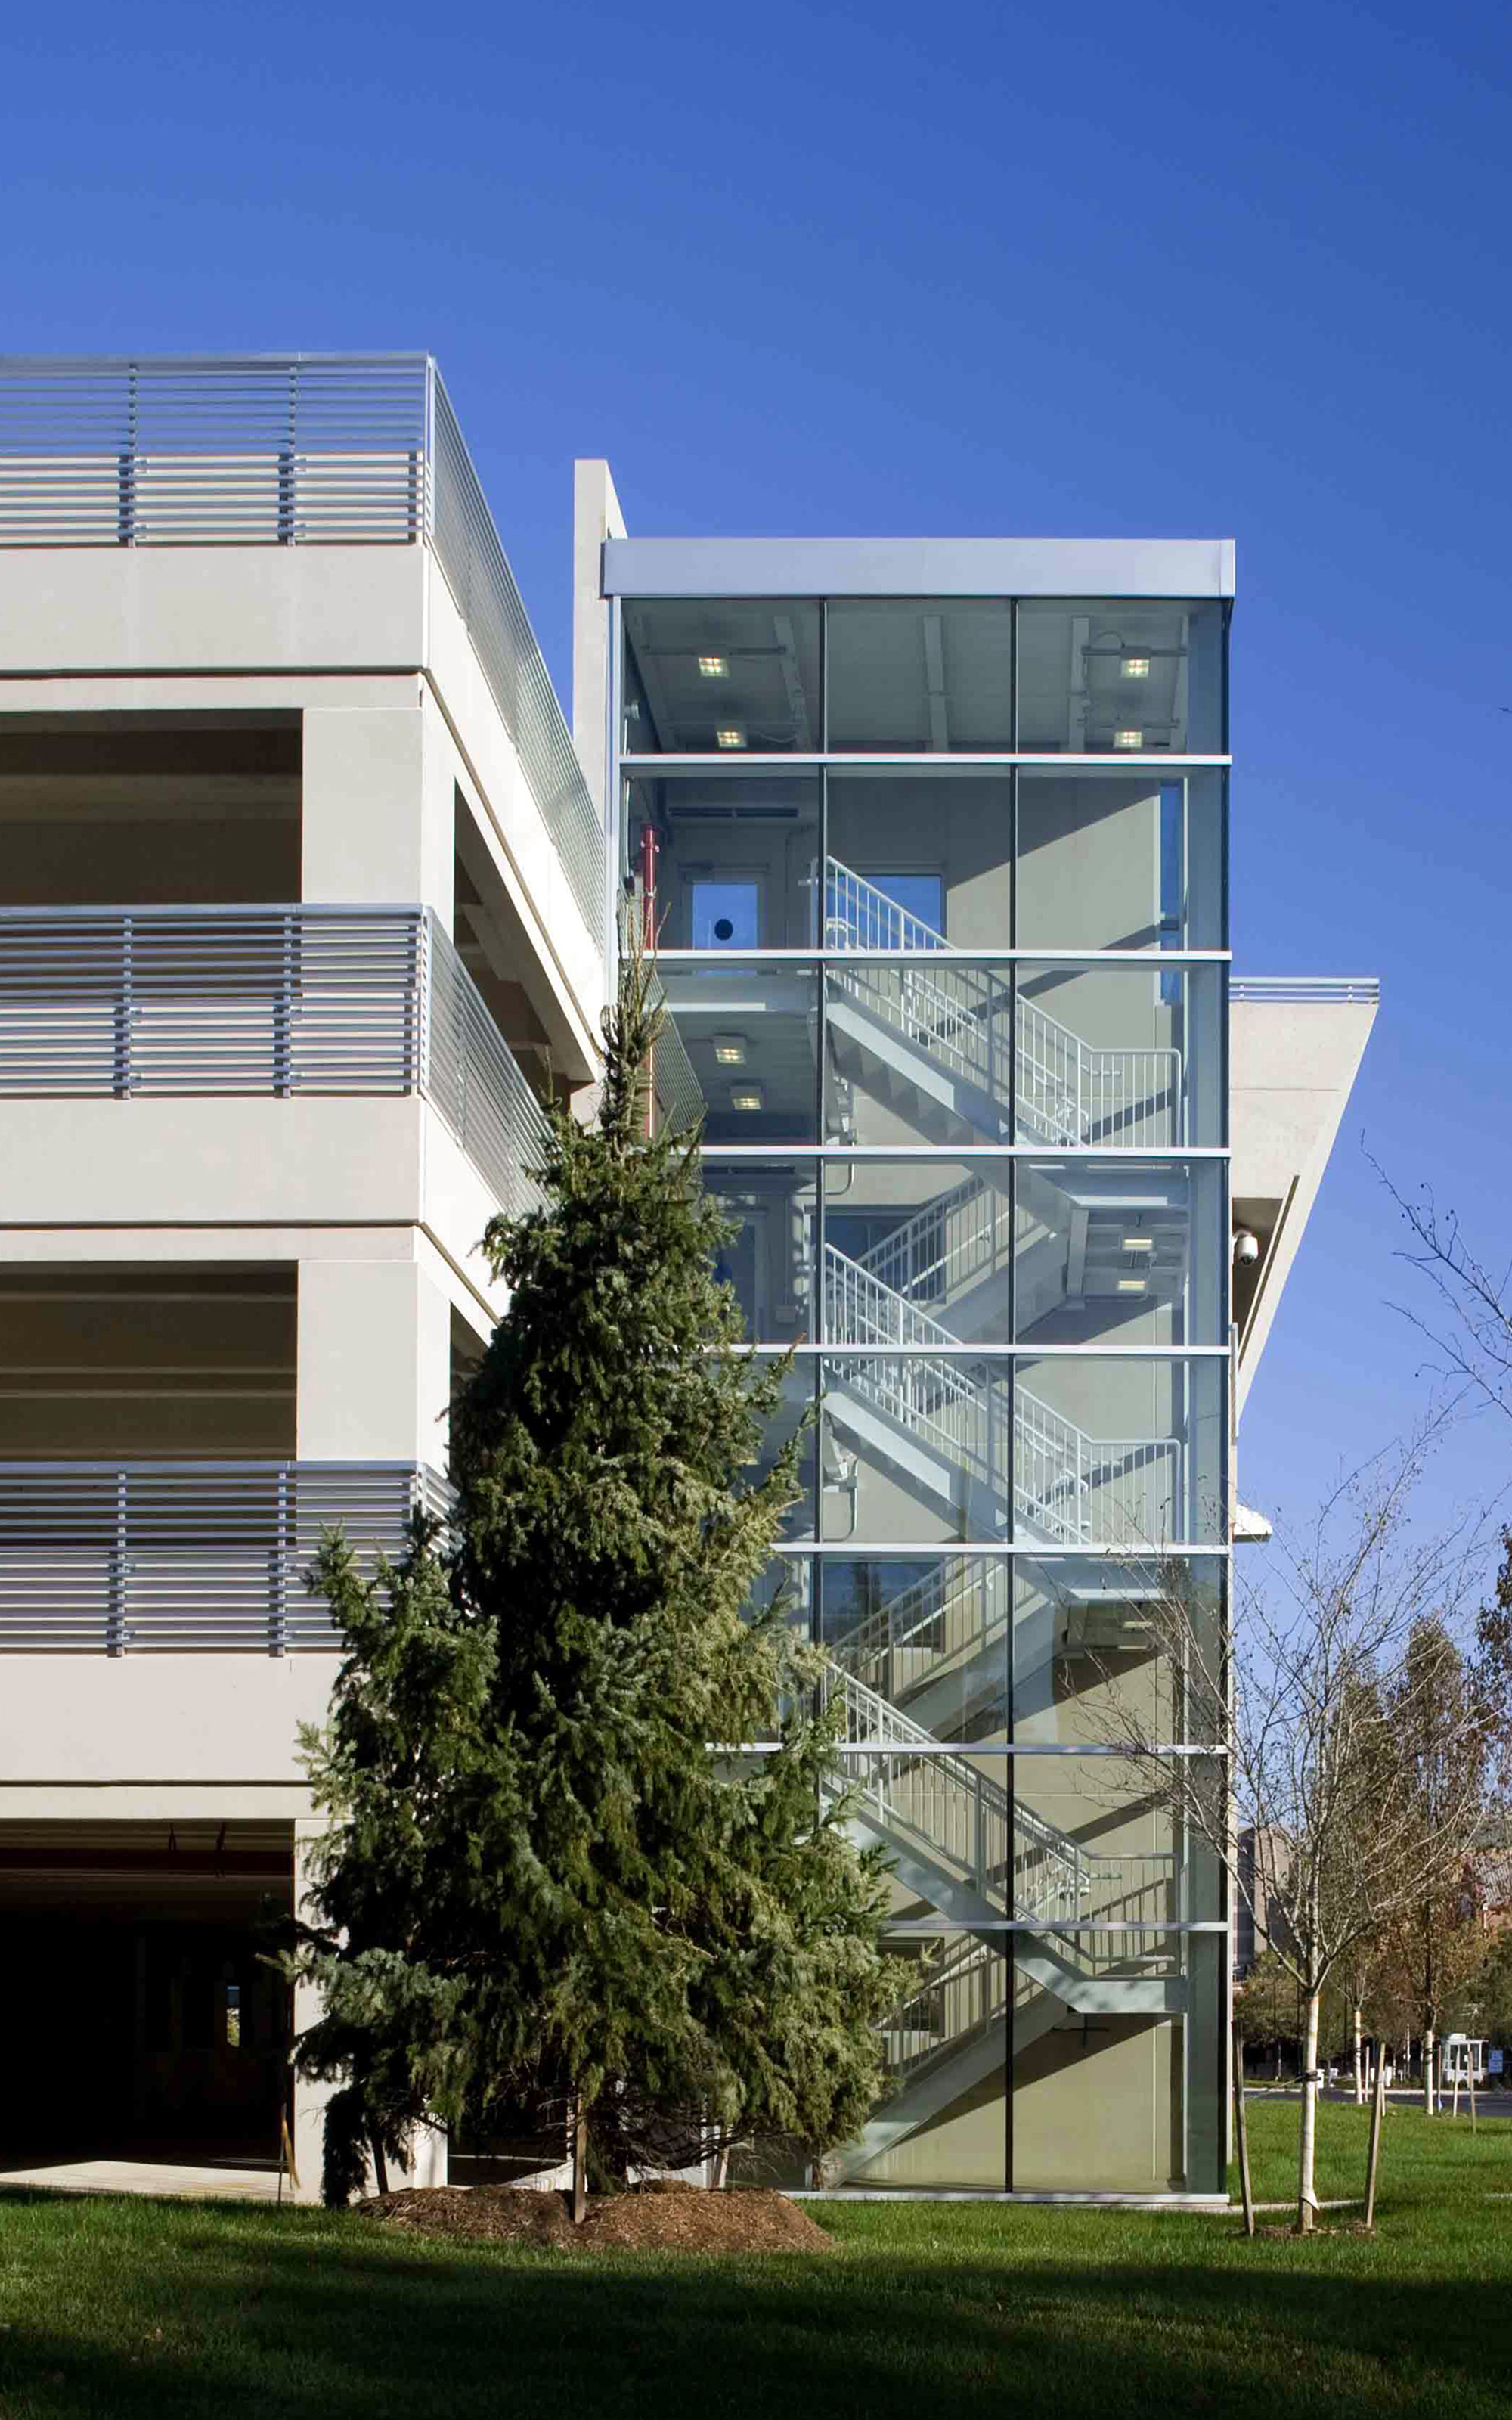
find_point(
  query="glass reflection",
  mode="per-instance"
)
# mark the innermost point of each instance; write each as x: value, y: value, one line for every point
x: 917, y: 862
x: 1119, y: 1253
x: 731, y: 861
x: 768, y: 1261
x: 1117, y: 1058
x: 933, y: 677
x: 1119, y: 861
x: 1123, y: 1453
x: 927, y: 1640
x: 741, y: 1051
x: 1126, y: 675
x: 721, y: 675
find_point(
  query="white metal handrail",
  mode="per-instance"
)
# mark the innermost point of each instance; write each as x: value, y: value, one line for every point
x: 178, y: 1556
x: 1064, y: 1092
x: 1080, y: 1490
x: 970, y: 1825
x: 137, y: 1002
x: 293, y: 449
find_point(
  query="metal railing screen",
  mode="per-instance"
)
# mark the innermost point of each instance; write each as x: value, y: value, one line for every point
x: 271, y: 1001
x: 470, y: 551
x: 293, y: 450
x: 273, y: 451
x: 190, y: 1556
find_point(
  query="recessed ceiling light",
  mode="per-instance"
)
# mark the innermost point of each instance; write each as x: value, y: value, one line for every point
x: 746, y: 1096
x: 1128, y: 740
x: 718, y: 667
x: 1135, y: 668
x: 731, y: 738
x: 1138, y: 1243
x: 1130, y: 1285
x: 730, y: 1049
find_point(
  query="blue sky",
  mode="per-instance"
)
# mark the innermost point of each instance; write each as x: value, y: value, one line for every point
x: 1105, y: 271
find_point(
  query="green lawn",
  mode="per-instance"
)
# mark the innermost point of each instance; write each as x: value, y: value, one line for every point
x: 134, y: 2309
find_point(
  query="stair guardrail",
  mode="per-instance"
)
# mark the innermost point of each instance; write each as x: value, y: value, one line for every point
x: 1064, y: 1092
x: 1077, y: 1489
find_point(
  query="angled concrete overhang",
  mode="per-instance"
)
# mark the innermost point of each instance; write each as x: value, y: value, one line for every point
x: 1295, y: 1047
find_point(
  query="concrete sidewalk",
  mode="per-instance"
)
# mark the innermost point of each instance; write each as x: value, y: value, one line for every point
x: 174, y: 2178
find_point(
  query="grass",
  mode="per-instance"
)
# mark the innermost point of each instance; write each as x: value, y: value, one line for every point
x: 176, y: 2310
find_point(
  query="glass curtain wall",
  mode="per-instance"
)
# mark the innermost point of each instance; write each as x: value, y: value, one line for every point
x: 953, y: 1011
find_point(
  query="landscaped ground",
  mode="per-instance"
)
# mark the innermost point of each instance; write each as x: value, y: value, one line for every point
x: 177, y: 2311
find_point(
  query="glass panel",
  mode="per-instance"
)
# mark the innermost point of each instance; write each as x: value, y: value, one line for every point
x: 945, y: 2126
x: 913, y: 1448
x: 926, y: 1641
x: 1097, y: 2089
x: 1096, y: 1840
x: 914, y: 863
x: 743, y: 1041
x: 922, y: 1249
x: 705, y: 676
x: 1091, y: 1651
x: 1140, y: 675
x: 769, y: 1259
x: 1119, y: 861
x: 1207, y: 2098
x: 1119, y: 1453
x: 917, y: 675
x: 797, y: 1400
x: 1120, y: 1254
x: 734, y: 858
x: 918, y: 1053
x: 1119, y: 1058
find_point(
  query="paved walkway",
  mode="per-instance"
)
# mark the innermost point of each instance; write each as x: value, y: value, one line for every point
x: 224, y: 2184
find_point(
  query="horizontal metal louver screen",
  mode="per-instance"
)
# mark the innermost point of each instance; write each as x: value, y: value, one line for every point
x: 190, y: 1556
x: 264, y: 1001
x: 294, y: 450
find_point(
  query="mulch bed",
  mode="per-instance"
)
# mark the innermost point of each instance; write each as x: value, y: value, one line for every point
x: 647, y: 2218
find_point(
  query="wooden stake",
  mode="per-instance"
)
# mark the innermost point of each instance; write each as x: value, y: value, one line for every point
x: 1377, y: 2108
x: 1242, y: 2131
x: 580, y: 2163
x: 288, y: 2148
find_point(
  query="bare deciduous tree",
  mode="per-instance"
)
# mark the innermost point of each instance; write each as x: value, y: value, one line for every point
x: 1295, y: 1720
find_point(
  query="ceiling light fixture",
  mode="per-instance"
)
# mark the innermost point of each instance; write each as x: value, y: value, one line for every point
x: 1130, y: 1285
x: 731, y: 738
x: 718, y: 667
x: 1138, y: 1243
x: 746, y: 1096
x: 1135, y: 668
x: 730, y: 1049
x: 1128, y: 740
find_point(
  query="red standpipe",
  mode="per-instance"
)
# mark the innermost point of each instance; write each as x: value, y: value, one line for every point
x: 648, y: 937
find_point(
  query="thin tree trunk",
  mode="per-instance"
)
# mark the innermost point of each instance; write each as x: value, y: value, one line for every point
x: 579, y: 2162
x: 1427, y: 2072
x: 380, y: 2165
x: 1359, y: 2062
x: 1307, y: 2162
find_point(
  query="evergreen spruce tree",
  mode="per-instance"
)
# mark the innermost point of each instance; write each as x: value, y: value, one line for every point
x: 550, y: 1870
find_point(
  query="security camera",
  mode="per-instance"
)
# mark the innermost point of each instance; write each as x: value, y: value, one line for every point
x: 1246, y: 1246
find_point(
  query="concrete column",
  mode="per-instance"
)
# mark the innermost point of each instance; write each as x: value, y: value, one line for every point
x: 373, y: 1363
x: 596, y: 515
x: 379, y: 811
